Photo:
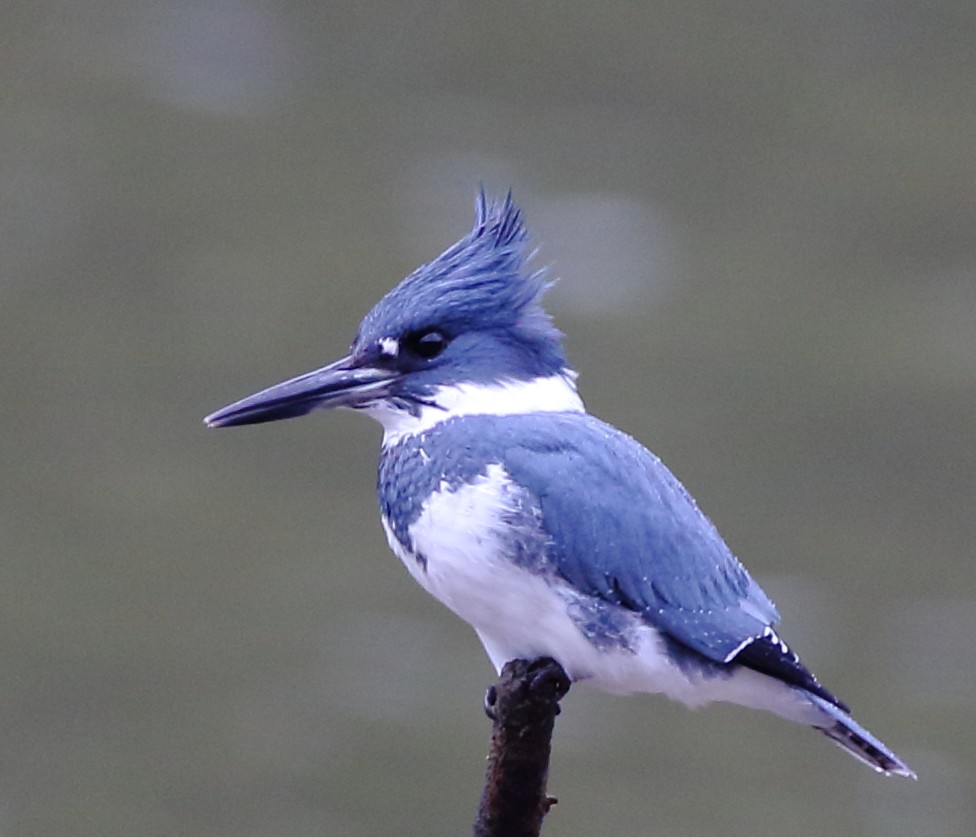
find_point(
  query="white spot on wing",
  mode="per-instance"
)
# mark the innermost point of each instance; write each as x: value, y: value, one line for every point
x: 767, y: 632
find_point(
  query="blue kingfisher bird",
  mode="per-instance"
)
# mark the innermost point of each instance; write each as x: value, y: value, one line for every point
x: 550, y: 532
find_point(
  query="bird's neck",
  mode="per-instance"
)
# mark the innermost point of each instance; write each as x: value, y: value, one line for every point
x: 553, y: 393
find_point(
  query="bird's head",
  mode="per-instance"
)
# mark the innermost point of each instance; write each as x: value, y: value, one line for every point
x: 466, y: 333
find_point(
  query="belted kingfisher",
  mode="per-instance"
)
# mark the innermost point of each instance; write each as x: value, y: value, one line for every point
x: 552, y: 533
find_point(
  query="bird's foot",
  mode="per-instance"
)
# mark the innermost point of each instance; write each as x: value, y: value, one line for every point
x: 547, y: 679
x: 491, y: 698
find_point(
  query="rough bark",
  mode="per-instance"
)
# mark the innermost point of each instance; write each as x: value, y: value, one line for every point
x: 523, y: 706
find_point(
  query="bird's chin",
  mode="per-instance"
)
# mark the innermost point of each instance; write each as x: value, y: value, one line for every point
x: 399, y: 416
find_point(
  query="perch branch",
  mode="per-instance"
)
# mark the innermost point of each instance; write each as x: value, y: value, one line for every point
x: 523, y: 706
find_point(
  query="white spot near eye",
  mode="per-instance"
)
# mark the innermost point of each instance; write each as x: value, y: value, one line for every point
x: 389, y: 346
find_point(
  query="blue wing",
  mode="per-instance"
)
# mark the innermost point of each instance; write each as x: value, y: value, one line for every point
x: 625, y: 530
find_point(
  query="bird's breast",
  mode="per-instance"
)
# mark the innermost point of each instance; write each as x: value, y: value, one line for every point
x: 465, y: 536
x: 476, y: 540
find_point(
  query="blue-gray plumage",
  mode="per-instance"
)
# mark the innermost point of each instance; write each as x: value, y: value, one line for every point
x: 549, y: 531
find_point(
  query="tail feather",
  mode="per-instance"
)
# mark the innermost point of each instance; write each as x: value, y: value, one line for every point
x: 844, y: 731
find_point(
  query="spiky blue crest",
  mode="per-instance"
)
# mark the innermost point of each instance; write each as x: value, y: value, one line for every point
x: 480, y: 285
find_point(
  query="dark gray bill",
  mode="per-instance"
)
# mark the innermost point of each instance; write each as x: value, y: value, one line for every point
x: 340, y: 384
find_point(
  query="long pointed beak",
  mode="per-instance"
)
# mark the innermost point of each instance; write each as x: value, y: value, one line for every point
x: 346, y: 383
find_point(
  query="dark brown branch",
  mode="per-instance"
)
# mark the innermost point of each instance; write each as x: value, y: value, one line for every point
x: 523, y: 706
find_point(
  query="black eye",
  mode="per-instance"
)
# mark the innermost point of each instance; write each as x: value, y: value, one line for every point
x: 426, y: 344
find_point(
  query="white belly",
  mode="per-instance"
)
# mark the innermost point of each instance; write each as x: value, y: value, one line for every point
x: 461, y: 558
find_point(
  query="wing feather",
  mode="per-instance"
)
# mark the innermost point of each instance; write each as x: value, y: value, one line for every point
x: 624, y: 529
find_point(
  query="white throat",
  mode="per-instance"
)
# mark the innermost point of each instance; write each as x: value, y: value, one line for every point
x: 555, y: 394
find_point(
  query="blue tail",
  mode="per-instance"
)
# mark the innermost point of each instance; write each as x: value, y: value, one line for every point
x: 842, y: 729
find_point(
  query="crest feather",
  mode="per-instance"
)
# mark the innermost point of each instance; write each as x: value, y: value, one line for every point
x: 503, y: 224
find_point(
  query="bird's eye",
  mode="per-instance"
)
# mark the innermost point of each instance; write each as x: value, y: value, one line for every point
x: 426, y: 344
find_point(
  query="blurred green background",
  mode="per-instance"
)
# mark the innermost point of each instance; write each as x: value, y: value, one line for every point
x: 763, y: 219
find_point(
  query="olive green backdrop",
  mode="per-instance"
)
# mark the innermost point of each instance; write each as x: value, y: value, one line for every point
x: 762, y: 215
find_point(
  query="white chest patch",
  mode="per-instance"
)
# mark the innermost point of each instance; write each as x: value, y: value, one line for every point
x: 462, y: 549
